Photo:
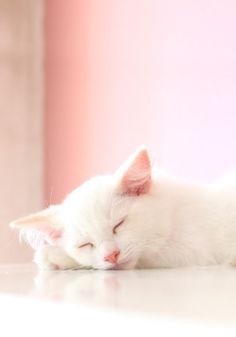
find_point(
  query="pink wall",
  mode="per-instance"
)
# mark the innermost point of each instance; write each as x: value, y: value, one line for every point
x: 130, y: 72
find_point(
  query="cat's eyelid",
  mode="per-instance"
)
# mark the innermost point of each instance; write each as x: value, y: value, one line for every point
x: 87, y: 244
x: 118, y: 225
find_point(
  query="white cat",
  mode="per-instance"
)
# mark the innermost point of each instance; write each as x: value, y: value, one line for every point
x: 137, y: 218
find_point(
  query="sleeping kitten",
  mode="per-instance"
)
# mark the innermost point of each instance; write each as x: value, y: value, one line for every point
x: 136, y: 218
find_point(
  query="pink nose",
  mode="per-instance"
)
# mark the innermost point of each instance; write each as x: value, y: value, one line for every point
x: 112, y: 258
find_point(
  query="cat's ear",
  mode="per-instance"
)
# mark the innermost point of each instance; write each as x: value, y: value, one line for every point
x: 135, y: 174
x: 46, y: 221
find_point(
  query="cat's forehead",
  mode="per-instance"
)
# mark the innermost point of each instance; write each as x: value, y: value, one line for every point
x: 91, y: 202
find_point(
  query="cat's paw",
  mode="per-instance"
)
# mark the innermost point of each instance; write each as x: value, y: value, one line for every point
x: 53, y: 258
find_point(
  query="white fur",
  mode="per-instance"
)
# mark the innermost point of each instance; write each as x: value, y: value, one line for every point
x: 53, y: 257
x: 174, y: 224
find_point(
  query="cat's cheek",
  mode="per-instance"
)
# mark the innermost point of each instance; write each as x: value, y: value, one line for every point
x: 73, y: 252
x: 83, y: 256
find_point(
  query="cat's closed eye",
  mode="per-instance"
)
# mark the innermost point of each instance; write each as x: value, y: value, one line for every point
x: 87, y: 244
x: 117, y: 226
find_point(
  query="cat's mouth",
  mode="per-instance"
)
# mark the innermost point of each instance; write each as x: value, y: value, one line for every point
x: 122, y: 266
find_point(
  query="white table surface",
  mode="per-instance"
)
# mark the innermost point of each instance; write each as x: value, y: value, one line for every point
x: 165, y: 302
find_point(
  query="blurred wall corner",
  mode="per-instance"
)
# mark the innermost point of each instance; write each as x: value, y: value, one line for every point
x: 67, y: 159
x: 21, y: 124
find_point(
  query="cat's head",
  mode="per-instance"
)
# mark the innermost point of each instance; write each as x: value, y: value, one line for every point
x: 101, y: 224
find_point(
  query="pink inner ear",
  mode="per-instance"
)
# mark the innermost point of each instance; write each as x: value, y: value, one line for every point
x: 52, y: 233
x: 137, y: 179
x: 136, y: 187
